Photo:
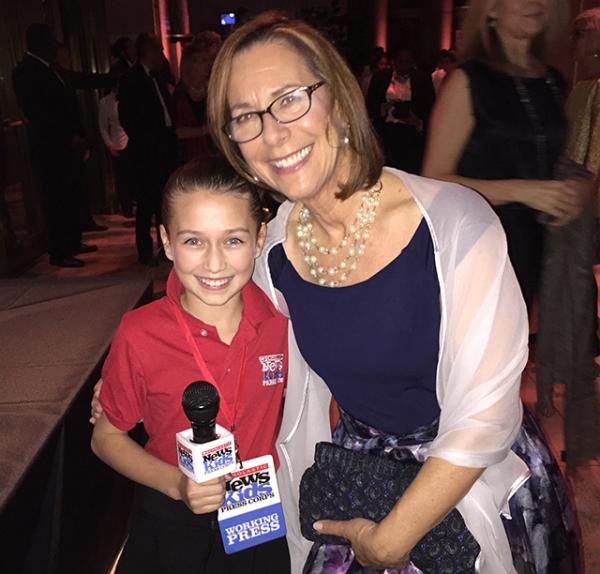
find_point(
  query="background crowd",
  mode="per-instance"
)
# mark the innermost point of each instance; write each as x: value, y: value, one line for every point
x: 151, y: 122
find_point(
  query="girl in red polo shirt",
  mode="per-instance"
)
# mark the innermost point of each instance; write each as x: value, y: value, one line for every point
x: 213, y: 231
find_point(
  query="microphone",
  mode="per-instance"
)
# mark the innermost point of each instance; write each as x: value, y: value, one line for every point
x: 200, y: 402
x: 206, y: 450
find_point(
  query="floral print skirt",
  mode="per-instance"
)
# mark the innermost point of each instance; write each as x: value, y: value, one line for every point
x: 543, y: 531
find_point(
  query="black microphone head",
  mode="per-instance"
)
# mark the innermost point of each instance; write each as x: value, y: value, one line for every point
x: 200, y: 402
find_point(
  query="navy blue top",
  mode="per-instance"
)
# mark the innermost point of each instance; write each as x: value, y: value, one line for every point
x: 375, y: 343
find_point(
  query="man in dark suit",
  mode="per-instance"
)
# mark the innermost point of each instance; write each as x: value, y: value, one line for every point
x: 399, y: 102
x: 56, y: 141
x: 78, y: 80
x: 145, y: 112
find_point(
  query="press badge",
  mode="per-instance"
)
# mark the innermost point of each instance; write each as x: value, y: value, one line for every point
x: 252, y: 511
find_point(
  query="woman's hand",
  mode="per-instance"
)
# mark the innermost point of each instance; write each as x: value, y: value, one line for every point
x: 372, y: 548
x: 563, y: 200
x: 436, y: 490
x: 96, y: 407
x: 202, y: 498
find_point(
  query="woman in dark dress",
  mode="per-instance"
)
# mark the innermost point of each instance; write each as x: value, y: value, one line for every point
x: 499, y: 127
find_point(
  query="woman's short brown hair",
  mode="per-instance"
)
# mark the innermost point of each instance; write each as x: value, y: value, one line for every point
x: 366, y: 158
x: 480, y: 40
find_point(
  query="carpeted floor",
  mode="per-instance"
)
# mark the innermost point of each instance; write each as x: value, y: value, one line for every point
x: 116, y: 255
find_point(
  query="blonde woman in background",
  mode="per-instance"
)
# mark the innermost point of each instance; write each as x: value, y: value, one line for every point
x: 499, y: 125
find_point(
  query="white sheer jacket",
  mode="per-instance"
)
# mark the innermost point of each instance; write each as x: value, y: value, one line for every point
x: 483, y: 350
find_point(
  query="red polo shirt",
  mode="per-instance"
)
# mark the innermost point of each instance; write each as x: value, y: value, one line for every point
x: 150, y: 364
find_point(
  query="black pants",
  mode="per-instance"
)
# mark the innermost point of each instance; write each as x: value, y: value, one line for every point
x: 152, y: 162
x: 59, y: 175
x: 167, y: 538
x: 124, y: 185
x: 83, y: 193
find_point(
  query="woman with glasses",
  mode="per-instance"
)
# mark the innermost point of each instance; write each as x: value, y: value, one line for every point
x: 403, y: 306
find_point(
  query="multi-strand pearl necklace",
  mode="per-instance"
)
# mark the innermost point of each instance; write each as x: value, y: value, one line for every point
x: 352, y: 246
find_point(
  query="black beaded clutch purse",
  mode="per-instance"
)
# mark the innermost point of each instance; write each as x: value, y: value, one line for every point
x: 343, y: 484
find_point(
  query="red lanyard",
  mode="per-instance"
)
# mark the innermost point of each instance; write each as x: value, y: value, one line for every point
x: 224, y: 409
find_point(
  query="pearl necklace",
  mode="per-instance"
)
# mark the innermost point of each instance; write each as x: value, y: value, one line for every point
x: 353, y: 243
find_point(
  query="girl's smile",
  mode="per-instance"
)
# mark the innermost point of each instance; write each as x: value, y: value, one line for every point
x: 212, y: 240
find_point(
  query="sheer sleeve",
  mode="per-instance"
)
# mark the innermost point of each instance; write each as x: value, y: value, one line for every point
x: 485, y: 346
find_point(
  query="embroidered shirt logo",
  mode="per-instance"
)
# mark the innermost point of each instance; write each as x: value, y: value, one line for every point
x: 272, y: 369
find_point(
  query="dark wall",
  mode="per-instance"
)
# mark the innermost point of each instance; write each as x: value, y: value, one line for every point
x: 204, y: 15
x: 22, y: 234
x: 416, y: 24
x: 129, y: 17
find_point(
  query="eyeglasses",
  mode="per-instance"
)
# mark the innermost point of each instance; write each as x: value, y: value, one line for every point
x: 284, y: 109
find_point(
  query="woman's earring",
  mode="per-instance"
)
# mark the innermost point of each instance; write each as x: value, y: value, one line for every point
x: 346, y: 139
x: 255, y: 178
x: 491, y: 22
